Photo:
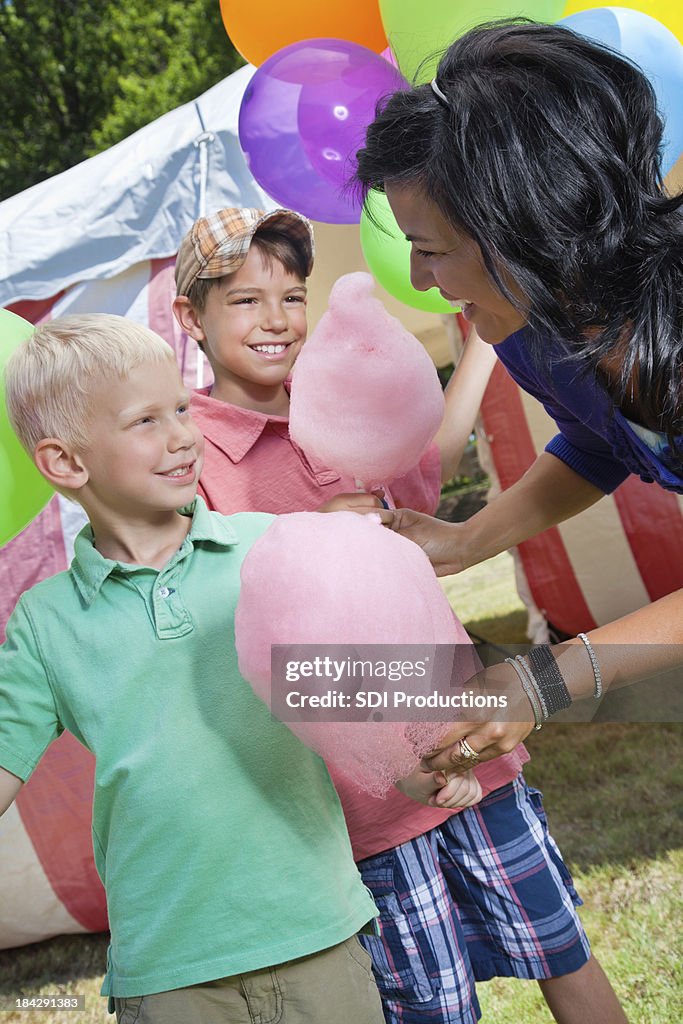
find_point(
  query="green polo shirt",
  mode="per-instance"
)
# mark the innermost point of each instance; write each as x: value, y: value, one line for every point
x: 218, y: 836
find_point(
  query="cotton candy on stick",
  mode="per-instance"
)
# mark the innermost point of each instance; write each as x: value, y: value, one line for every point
x: 366, y: 399
x: 342, y: 578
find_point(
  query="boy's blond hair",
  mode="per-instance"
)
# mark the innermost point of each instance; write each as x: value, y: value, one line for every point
x: 49, y: 378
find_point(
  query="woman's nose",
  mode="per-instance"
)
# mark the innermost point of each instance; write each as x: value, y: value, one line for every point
x: 421, y: 276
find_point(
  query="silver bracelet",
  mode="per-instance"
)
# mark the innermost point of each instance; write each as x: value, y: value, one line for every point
x: 526, y: 667
x: 529, y: 691
x: 594, y: 662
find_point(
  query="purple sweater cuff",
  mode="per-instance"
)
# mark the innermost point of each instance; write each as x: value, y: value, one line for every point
x: 602, y: 471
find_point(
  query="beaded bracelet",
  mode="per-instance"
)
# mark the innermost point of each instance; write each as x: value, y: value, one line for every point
x: 529, y: 691
x: 549, y: 679
x: 594, y: 662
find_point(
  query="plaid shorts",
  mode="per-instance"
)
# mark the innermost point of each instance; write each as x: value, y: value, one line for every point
x: 485, y: 894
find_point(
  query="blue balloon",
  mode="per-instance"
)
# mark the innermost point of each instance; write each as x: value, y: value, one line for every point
x: 657, y: 52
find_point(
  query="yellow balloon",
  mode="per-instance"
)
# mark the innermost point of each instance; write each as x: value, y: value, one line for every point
x: 669, y: 12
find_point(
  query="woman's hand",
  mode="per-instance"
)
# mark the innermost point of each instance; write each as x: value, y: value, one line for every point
x: 548, y: 493
x: 500, y: 735
x: 438, y: 540
x: 637, y: 646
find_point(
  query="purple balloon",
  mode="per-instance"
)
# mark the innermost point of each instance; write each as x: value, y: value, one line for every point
x: 304, y: 116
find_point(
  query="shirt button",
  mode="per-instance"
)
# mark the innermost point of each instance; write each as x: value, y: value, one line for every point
x: 164, y: 592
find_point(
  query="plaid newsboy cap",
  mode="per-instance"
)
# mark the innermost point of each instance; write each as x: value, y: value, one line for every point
x: 219, y: 244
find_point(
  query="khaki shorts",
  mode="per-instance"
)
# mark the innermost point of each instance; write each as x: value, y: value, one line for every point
x: 335, y: 986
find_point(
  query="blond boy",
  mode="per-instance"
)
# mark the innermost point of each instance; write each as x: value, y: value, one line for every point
x: 231, y: 888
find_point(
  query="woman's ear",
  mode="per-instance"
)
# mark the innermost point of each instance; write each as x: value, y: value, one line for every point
x: 188, y: 318
x: 59, y: 465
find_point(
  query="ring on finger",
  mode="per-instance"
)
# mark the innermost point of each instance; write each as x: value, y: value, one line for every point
x: 468, y: 754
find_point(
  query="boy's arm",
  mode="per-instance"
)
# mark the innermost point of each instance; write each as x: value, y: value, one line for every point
x: 9, y: 787
x: 463, y: 396
x: 29, y: 720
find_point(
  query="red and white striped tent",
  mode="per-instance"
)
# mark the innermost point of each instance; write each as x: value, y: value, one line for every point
x: 613, y: 558
x: 103, y: 237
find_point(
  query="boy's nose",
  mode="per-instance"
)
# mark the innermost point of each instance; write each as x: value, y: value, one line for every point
x: 184, y: 435
x: 274, y: 319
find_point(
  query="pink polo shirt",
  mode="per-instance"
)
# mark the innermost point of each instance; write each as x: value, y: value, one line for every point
x: 252, y: 465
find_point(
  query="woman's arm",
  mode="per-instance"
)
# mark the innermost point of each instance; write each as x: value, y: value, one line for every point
x: 548, y: 493
x: 638, y: 645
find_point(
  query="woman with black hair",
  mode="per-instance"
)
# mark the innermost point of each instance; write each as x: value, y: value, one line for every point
x: 527, y: 178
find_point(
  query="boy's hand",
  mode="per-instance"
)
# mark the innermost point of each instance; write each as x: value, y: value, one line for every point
x: 435, y: 790
x: 460, y: 791
x: 356, y: 501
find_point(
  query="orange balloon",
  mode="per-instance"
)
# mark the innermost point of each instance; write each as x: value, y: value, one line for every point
x: 260, y: 28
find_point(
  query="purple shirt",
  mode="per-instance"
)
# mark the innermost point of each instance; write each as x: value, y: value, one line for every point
x: 595, y: 439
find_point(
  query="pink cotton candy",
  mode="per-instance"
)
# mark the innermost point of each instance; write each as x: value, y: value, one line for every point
x: 341, y: 578
x: 366, y: 399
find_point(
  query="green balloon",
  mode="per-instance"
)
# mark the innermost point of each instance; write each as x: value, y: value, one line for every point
x: 387, y: 254
x: 418, y: 33
x: 24, y: 491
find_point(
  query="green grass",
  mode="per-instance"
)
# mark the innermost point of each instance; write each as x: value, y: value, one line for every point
x: 614, y: 798
x: 68, y: 965
x: 485, y: 600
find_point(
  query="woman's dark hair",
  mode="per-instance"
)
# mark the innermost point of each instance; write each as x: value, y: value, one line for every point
x: 546, y: 151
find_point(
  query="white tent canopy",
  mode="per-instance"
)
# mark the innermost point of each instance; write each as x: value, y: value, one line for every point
x: 132, y: 202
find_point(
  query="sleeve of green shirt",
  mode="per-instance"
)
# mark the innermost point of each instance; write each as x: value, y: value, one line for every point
x: 29, y: 721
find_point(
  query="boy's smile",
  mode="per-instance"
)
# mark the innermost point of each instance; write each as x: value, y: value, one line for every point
x: 182, y: 473
x: 274, y: 351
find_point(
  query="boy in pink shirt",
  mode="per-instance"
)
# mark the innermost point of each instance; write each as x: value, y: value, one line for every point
x: 463, y: 896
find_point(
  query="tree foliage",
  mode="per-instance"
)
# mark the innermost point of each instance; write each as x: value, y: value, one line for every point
x: 79, y: 75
